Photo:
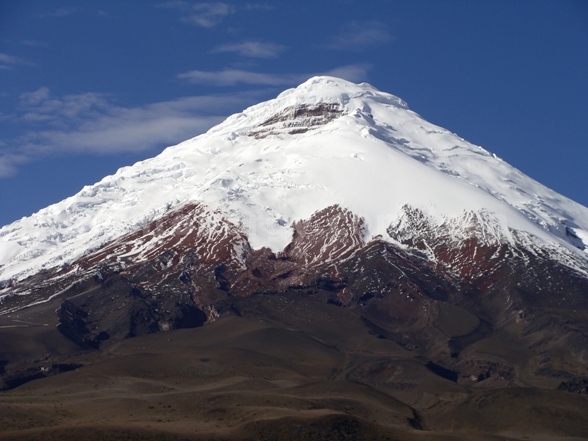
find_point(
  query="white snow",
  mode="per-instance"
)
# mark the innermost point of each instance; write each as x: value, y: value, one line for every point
x: 373, y: 159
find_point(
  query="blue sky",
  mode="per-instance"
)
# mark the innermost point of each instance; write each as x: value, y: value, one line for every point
x: 88, y: 86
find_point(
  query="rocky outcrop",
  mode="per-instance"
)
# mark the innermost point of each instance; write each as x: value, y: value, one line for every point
x: 117, y: 309
x: 579, y: 386
x: 298, y: 119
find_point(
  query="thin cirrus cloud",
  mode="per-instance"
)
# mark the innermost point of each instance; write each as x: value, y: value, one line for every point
x: 210, y: 14
x: 206, y: 15
x: 357, y: 36
x: 9, y: 163
x: 252, y: 49
x: 8, y: 61
x: 91, y: 123
x: 33, y: 43
x: 232, y: 77
x: 61, y: 12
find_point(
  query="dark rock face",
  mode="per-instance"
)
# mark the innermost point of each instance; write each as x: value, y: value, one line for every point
x: 298, y: 119
x: 579, y: 386
x: 21, y: 377
x: 73, y: 324
x: 117, y: 309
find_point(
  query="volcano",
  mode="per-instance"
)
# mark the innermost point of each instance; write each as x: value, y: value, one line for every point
x: 324, y: 265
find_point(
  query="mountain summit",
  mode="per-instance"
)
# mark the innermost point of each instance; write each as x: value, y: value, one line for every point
x: 397, y: 260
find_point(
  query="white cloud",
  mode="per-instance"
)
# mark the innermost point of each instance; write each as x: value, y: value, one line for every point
x: 207, y: 15
x: 252, y: 49
x: 33, y: 43
x: 210, y: 14
x: 61, y: 12
x: 350, y: 72
x: 7, y: 61
x: 258, y: 7
x: 9, y: 163
x: 360, y: 35
x: 90, y: 123
x: 231, y: 77
x: 39, y: 105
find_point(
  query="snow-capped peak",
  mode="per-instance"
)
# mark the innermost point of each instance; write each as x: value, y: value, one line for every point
x: 316, y: 92
x: 327, y: 142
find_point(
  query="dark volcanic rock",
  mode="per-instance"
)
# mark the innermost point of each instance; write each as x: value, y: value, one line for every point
x: 298, y: 119
x: 118, y: 309
x: 579, y: 386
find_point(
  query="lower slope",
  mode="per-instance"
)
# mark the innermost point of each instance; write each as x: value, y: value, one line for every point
x: 280, y: 367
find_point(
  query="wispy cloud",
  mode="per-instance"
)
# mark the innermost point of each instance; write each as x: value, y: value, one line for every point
x: 252, y: 49
x: 360, y: 35
x: 210, y: 14
x: 39, y: 106
x: 9, y: 163
x: 350, y: 72
x: 258, y: 7
x: 7, y: 61
x: 61, y: 12
x: 231, y: 77
x: 92, y: 123
x: 207, y: 15
x: 33, y: 43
